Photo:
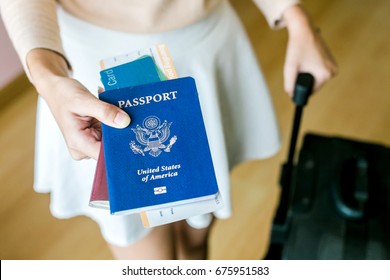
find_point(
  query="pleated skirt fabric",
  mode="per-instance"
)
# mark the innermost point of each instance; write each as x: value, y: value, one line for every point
x: 236, y: 106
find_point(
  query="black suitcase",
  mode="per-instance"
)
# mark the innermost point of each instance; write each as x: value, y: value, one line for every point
x: 335, y: 201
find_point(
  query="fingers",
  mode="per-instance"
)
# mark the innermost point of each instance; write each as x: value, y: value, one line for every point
x: 313, y: 58
x: 324, y: 67
x: 82, y: 129
x: 290, y: 75
x: 321, y: 76
x: 88, y: 153
x: 86, y: 142
x: 83, y: 146
x: 83, y: 134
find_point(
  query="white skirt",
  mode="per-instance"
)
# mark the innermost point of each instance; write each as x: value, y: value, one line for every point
x: 237, y: 109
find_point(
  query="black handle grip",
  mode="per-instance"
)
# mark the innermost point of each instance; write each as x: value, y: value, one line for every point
x: 303, y: 88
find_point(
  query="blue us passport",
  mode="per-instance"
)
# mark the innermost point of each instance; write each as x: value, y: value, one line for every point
x: 163, y: 157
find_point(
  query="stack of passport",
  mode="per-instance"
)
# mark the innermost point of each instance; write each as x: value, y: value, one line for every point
x: 160, y: 166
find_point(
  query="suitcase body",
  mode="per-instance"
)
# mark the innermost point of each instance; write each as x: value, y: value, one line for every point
x: 340, y: 207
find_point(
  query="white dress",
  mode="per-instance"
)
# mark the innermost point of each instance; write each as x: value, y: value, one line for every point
x: 237, y: 109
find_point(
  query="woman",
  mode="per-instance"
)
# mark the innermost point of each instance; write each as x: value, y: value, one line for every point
x: 60, y: 44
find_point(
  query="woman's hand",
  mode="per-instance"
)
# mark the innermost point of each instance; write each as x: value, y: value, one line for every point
x: 77, y: 112
x: 306, y: 51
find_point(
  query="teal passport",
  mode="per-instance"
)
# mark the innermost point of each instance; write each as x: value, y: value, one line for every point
x: 162, y: 158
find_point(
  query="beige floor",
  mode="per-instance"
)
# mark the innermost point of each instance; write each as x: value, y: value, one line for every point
x: 355, y: 104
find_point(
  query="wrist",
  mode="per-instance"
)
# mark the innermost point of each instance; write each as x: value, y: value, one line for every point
x: 297, y: 21
x: 46, y: 67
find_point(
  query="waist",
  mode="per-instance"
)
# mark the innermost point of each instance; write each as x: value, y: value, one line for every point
x: 140, y: 16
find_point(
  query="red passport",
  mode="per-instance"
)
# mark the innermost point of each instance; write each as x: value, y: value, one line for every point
x: 99, y: 193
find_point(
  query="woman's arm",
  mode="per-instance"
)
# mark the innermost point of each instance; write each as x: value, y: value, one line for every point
x: 31, y: 24
x: 33, y: 29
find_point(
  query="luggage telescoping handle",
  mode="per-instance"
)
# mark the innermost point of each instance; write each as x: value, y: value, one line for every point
x: 280, y: 227
x: 302, y: 90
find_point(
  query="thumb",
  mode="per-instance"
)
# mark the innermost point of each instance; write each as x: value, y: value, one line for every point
x: 106, y: 113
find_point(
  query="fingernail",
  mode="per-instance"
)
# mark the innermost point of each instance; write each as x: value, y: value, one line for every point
x: 100, y: 89
x: 122, y: 119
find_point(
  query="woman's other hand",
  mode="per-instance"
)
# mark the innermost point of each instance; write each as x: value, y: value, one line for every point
x: 306, y: 50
